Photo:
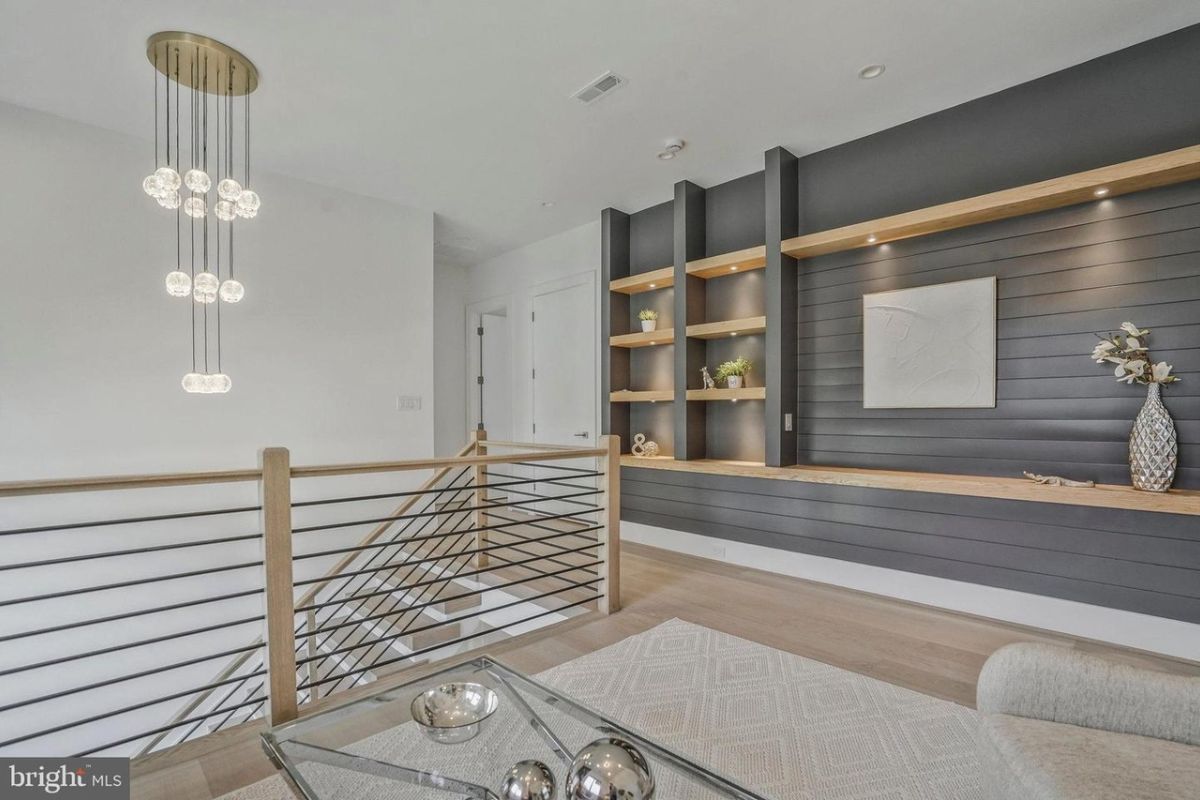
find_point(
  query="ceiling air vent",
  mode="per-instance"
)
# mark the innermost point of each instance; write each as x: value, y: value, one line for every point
x: 601, y: 86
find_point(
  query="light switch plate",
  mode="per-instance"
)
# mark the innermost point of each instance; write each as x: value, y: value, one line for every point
x: 408, y: 402
x: 787, y: 422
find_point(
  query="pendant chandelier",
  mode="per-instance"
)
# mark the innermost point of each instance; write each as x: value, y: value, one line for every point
x: 202, y: 174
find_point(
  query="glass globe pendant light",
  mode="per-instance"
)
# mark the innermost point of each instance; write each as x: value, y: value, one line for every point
x: 200, y: 78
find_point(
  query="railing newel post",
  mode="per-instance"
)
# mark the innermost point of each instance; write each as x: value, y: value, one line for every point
x: 610, y: 532
x: 479, y: 437
x: 276, y: 496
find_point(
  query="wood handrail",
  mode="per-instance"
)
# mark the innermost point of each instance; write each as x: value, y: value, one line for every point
x: 538, y: 445
x: 114, y: 482
x: 432, y: 463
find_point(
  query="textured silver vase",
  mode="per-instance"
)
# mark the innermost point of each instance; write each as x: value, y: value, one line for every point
x: 1153, y: 445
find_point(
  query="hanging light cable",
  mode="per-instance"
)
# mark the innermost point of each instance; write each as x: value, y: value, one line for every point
x: 216, y: 73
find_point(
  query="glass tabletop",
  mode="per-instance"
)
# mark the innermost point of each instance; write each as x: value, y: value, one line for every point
x: 373, y: 748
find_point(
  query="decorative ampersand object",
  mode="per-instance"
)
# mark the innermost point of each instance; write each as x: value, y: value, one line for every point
x: 639, y: 445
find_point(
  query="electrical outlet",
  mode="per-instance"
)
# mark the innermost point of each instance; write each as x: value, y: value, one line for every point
x: 787, y: 422
x: 408, y: 402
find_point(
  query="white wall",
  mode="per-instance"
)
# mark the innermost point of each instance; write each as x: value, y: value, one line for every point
x: 336, y: 323
x: 513, y: 275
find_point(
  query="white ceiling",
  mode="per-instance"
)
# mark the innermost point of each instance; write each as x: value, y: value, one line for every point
x: 462, y: 106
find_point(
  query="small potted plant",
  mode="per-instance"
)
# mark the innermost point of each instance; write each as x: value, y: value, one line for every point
x: 734, y: 372
x: 649, y: 318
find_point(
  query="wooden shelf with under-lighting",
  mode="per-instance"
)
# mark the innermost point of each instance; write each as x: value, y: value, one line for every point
x: 1163, y: 169
x: 738, y: 261
x: 651, y: 396
x: 642, y: 338
x: 644, y: 281
x: 729, y: 327
x: 745, y: 393
x: 1176, y: 501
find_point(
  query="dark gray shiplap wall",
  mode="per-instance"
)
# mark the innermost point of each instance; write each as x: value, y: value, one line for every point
x: 1062, y: 276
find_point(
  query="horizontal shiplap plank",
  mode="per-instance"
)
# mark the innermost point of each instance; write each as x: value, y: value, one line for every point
x: 1059, y: 430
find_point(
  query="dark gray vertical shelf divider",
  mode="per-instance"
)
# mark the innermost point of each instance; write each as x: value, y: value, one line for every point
x: 689, y: 239
x: 614, y: 367
x: 782, y: 222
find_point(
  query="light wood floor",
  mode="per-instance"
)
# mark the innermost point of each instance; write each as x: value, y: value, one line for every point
x: 932, y: 651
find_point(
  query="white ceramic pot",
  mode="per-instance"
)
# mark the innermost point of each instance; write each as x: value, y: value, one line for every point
x: 734, y: 381
x: 649, y: 325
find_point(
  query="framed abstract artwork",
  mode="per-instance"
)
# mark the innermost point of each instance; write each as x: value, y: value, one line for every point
x: 931, y: 346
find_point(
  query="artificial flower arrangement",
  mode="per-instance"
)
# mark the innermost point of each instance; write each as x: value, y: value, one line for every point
x: 1128, y: 350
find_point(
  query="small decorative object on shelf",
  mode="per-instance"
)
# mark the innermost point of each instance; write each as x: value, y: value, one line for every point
x: 1153, y: 442
x: 734, y: 372
x: 1055, y: 480
x: 649, y: 318
x: 709, y: 383
x: 453, y: 712
x: 643, y: 449
x: 610, y: 768
x: 528, y: 780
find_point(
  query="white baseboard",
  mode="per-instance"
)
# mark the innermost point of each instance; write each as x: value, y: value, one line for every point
x: 1144, y: 632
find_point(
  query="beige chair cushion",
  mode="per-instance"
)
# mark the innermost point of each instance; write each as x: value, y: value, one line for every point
x: 1033, y: 759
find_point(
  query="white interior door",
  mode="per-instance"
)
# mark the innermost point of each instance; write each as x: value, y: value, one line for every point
x: 497, y: 376
x: 564, y: 364
x: 564, y: 389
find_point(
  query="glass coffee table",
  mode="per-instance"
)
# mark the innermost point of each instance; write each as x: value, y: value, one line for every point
x: 372, y: 748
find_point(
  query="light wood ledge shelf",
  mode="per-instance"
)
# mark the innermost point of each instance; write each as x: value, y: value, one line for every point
x: 727, y: 263
x: 729, y: 327
x: 1176, y: 501
x: 643, y: 338
x: 651, y: 396
x: 1163, y: 169
x: 745, y: 393
x: 644, y: 281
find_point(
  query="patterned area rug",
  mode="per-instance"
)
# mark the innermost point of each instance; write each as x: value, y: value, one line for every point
x: 787, y: 727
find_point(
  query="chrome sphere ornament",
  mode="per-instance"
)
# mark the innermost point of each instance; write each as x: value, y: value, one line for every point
x: 528, y: 780
x: 453, y: 712
x: 610, y: 769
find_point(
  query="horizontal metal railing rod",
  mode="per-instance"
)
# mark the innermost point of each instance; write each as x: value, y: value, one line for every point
x: 561, y: 467
x: 443, y: 557
x: 68, y: 526
x: 126, y: 709
x: 547, y: 557
x: 445, y: 599
x: 157, y: 548
x: 440, y: 645
x: 431, y: 581
x: 162, y: 729
x: 419, y: 514
x: 136, y: 582
x: 552, y: 479
x: 523, y: 493
x: 538, y: 524
x: 66, y: 626
x: 437, y: 463
x: 116, y: 648
x: 448, y: 621
x: 536, y: 445
x: 441, y: 490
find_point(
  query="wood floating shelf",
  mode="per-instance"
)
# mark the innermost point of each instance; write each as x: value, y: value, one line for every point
x: 745, y: 393
x: 738, y: 261
x: 730, y: 327
x: 1163, y: 169
x: 643, y: 338
x: 1176, y: 501
x: 652, y: 396
x: 644, y: 281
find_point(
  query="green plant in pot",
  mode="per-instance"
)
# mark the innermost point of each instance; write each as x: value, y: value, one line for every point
x: 734, y: 372
x: 649, y: 318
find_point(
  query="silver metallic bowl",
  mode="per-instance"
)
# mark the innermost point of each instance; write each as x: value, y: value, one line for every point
x: 453, y: 712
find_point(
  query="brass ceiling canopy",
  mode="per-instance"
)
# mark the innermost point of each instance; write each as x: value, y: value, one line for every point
x: 187, y: 54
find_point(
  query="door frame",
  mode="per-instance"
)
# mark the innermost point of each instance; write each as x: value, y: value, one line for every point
x: 474, y: 311
x: 588, y: 278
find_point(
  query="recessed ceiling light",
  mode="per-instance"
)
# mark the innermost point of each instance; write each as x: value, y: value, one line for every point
x: 670, y: 148
x: 547, y: 204
x: 1101, y: 191
x: 871, y: 71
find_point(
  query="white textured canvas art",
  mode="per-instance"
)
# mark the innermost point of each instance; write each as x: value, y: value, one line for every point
x: 931, y: 347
